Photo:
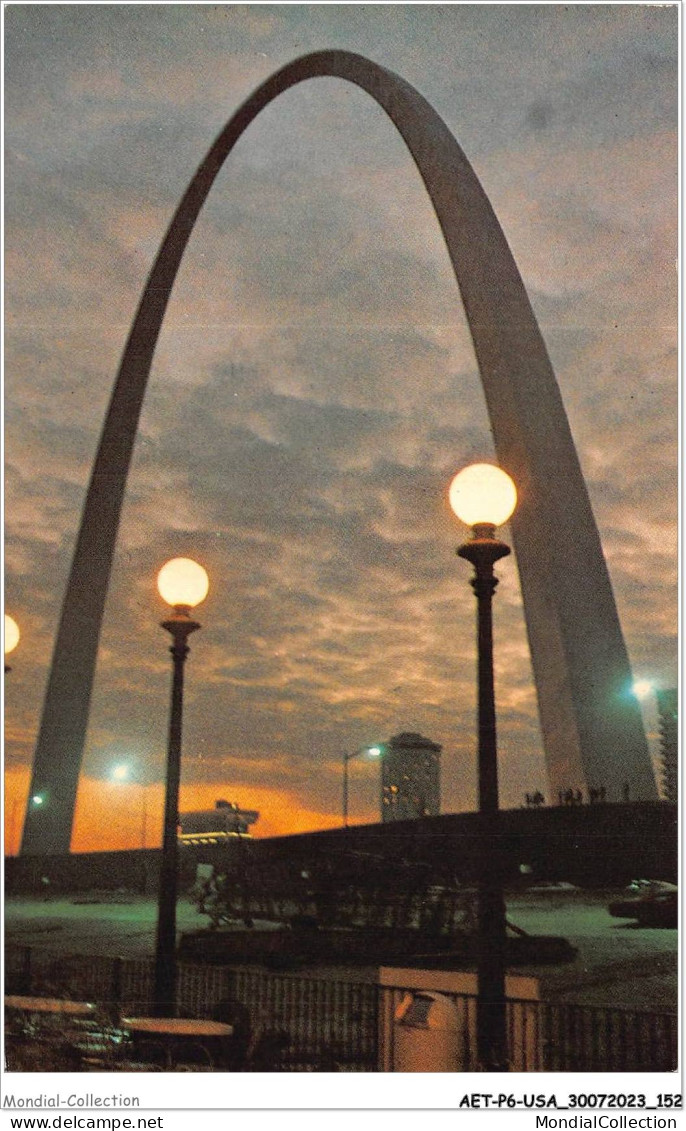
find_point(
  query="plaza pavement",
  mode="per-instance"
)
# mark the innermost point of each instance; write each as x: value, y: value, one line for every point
x: 617, y: 963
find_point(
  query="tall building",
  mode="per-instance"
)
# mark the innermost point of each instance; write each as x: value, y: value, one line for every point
x: 668, y: 709
x: 410, y: 778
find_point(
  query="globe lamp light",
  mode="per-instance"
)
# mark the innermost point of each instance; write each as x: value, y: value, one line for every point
x: 120, y: 772
x: 11, y: 634
x: 482, y: 494
x: 183, y: 583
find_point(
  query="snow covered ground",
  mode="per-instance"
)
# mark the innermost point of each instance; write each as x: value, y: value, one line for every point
x: 617, y: 964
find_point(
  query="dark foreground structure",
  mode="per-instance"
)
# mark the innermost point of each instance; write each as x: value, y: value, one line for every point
x: 320, y: 1025
x: 593, y: 846
x: 289, y: 1016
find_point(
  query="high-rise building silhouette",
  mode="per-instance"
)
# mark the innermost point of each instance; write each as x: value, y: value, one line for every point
x: 410, y: 778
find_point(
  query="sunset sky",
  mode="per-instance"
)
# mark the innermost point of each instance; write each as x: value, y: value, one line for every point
x: 315, y: 388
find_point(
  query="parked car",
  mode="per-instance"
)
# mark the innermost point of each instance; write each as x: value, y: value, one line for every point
x: 655, y: 903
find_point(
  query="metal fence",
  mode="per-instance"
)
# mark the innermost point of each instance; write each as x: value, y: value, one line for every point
x: 551, y: 1037
x: 585, y: 1038
x: 326, y: 1025
x: 331, y: 1025
x: 316, y: 1024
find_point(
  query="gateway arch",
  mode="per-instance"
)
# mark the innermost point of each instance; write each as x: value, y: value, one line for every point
x: 592, y: 728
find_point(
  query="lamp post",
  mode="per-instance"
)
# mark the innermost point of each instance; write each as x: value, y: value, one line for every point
x: 483, y: 497
x: 122, y: 773
x: 11, y: 637
x: 183, y: 584
x: 374, y: 752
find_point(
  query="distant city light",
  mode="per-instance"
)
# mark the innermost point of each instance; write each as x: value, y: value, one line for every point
x: 375, y: 751
x: 642, y: 688
x: 37, y: 799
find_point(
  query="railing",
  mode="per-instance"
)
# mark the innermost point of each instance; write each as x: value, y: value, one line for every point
x: 546, y: 1037
x: 331, y: 1025
x: 316, y: 1024
x: 585, y: 1038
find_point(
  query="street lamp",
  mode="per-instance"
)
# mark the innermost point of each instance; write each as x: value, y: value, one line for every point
x: 11, y: 637
x: 643, y: 688
x: 122, y: 773
x: 182, y: 583
x: 373, y: 752
x: 483, y: 497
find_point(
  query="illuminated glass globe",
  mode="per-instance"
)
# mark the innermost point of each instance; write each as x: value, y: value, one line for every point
x: 482, y: 493
x: 11, y: 634
x: 183, y: 583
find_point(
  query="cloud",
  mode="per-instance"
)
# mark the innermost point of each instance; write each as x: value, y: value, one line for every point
x: 315, y: 388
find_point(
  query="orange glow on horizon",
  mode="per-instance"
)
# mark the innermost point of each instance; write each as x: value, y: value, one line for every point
x: 109, y: 815
x: 16, y: 795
